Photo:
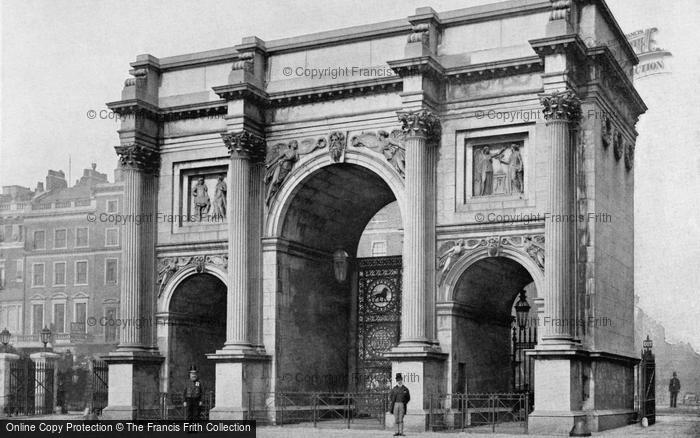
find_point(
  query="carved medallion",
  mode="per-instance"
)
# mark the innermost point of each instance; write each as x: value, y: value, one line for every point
x: 629, y: 156
x: 336, y: 148
x: 618, y: 147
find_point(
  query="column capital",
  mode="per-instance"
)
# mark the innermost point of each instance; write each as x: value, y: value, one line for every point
x: 136, y: 157
x: 244, y: 144
x: 561, y: 105
x: 420, y: 123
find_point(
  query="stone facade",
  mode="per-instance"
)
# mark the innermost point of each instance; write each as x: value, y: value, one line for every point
x: 498, y: 133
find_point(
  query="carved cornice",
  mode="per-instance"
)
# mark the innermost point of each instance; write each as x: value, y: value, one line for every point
x: 138, y: 107
x: 137, y: 157
x: 244, y: 90
x: 421, y: 123
x: 169, y: 266
x: 497, y: 69
x: 561, y: 105
x: 572, y: 44
x: 245, y: 145
x: 425, y: 65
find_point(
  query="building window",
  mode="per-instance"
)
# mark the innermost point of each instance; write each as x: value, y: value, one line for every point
x: 112, y: 237
x: 37, y: 318
x: 59, y: 317
x: 59, y: 238
x: 10, y: 317
x: 39, y: 240
x: 379, y: 248
x: 112, y: 206
x: 2, y: 276
x: 59, y: 274
x: 81, y: 272
x: 110, y: 324
x: 19, y: 271
x: 38, y: 274
x: 81, y: 237
x: 111, y: 271
x: 79, y: 323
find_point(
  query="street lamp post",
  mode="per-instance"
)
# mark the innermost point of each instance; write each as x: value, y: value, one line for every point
x: 45, y: 336
x: 522, y: 310
x: 5, y: 339
x: 341, y: 265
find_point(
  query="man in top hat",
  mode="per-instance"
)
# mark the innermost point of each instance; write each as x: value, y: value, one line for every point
x: 193, y: 396
x: 674, y: 387
x: 398, y: 401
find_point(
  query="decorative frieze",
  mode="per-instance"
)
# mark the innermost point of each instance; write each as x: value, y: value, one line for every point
x: 391, y: 145
x: 169, y: 266
x: 421, y: 123
x: 530, y: 244
x: 245, y: 144
x: 561, y: 105
x: 137, y: 157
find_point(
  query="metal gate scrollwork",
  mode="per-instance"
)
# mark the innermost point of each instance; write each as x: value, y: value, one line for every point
x: 379, y: 321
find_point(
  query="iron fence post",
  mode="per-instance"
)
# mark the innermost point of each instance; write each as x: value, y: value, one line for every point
x: 347, y: 407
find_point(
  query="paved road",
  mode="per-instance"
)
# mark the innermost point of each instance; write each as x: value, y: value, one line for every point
x: 667, y: 426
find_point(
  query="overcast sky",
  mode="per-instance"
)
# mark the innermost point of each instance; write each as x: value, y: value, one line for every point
x: 61, y: 59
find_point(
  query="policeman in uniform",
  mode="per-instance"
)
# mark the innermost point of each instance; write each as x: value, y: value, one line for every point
x: 674, y: 387
x: 193, y: 396
x: 398, y: 401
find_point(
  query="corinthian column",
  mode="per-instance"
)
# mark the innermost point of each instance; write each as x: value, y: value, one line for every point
x: 138, y: 165
x: 246, y: 150
x: 417, y: 315
x: 561, y: 109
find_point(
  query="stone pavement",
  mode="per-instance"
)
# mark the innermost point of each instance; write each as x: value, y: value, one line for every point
x: 667, y: 426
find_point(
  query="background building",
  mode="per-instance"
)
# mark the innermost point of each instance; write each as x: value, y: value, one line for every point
x: 59, y: 268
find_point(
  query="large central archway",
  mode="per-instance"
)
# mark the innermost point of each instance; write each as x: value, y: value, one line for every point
x: 325, y: 208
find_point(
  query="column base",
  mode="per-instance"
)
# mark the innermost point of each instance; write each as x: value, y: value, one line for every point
x: 423, y: 370
x: 242, y: 378
x: 135, y: 383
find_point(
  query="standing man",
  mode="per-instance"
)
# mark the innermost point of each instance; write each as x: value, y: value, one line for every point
x: 674, y: 387
x: 398, y: 401
x: 193, y: 396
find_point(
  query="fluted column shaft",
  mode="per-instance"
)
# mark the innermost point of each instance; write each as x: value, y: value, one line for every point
x: 246, y: 150
x: 237, y: 298
x: 417, y: 303
x: 561, y: 110
x: 138, y: 165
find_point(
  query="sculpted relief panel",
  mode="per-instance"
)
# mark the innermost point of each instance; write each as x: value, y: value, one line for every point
x: 498, y: 169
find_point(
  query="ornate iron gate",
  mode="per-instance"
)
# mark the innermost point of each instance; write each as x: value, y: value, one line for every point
x: 98, y: 385
x: 22, y: 387
x: 379, y: 319
x: 647, y: 384
x: 523, y: 339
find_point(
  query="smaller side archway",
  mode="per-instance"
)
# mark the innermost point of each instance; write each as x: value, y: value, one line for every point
x: 476, y: 318
x: 191, y: 324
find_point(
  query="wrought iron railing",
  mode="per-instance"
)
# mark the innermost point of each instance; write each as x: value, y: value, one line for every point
x: 168, y: 406
x: 365, y: 410
x: 488, y: 412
